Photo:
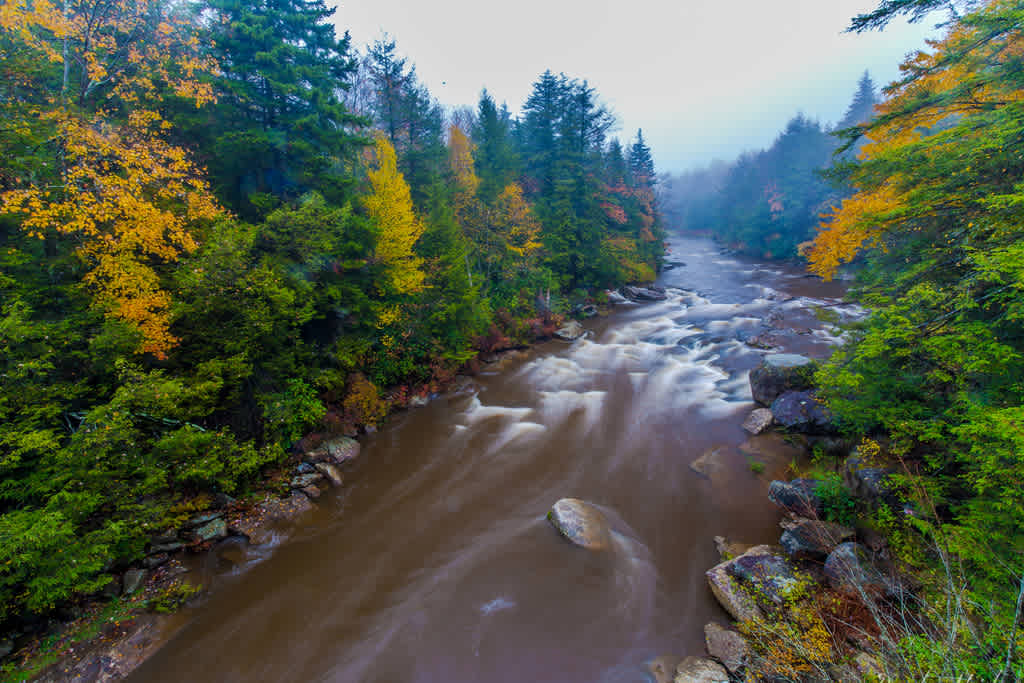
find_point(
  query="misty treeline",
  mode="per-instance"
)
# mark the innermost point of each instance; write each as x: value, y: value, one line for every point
x: 223, y: 228
x: 769, y: 202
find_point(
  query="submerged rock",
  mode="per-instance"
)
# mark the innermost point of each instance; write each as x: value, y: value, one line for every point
x: 758, y: 421
x: 801, y: 411
x: 582, y: 523
x: 700, y: 670
x: 571, y: 331
x: 726, y: 646
x: 779, y: 373
x: 663, y: 668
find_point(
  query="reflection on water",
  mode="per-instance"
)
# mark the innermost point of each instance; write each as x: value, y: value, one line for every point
x: 436, y: 563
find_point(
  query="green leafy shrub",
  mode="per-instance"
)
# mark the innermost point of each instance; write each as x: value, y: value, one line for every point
x: 839, y: 503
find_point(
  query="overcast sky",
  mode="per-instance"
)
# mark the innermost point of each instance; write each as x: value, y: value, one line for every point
x: 705, y: 80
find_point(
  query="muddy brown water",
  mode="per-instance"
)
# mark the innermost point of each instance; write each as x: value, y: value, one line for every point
x: 435, y: 562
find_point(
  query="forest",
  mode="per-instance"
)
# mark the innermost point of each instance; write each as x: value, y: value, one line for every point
x: 767, y: 204
x: 222, y: 227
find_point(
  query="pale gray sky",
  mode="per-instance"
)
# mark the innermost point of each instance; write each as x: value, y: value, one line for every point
x: 704, y: 80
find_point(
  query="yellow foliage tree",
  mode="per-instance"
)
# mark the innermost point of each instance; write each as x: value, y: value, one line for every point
x: 517, y: 225
x: 390, y: 208
x: 123, y: 193
x: 460, y: 160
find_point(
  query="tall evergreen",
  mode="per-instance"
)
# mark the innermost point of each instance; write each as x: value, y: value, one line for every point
x: 641, y: 163
x: 280, y: 128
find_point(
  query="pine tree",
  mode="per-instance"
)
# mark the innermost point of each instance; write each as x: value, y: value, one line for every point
x: 280, y: 128
x: 641, y: 164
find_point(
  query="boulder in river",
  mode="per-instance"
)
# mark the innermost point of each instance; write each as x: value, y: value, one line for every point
x: 730, y: 592
x: 663, y: 669
x: 813, y: 539
x: 615, y: 297
x: 779, y: 373
x: 758, y: 421
x: 338, y: 451
x: 330, y: 471
x: 571, y: 331
x: 726, y: 646
x: 801, y: 411
x: 582, y: 523
x: 211, y: 531
x: 798, y: 496
x: 700, y: 670
x: 644, y: 293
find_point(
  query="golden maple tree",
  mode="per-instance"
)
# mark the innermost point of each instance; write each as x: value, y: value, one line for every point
x: 390, y: 208
x: 120, y: 191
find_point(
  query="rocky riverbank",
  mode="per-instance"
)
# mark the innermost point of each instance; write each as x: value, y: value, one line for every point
x: 808, y: 607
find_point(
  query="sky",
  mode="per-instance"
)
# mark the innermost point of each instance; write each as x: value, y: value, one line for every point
x: 704, y: 79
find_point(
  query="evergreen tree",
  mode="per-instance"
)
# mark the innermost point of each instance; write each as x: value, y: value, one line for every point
x: 641, y: 164
x: 280, y: 128
x: 496, y: 162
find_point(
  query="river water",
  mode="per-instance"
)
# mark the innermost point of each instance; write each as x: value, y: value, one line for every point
x: 435, y: 562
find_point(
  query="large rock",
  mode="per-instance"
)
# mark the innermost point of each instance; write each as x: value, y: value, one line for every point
x: 869, y: 483
x: 571, y: 331
x: 644, y: 293
x: 614, y: 297
x: 338, y: 451
x: 779, y: 373
x: 801, y: 411
x: 758, y: 421
x: 582, y: 523
x: 211, y: 531
x: 764, y: 573
x: 303, y: 480
x: 812, y: 539
x: 726, y: 646
x: 736, y: 582
x: 255, y: 526
x: 133, y: 580
x: 332, y: 473
x: 700, y: 670
x: 850, y: 570
x: 797, y: 496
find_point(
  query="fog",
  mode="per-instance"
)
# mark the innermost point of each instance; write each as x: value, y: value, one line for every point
x: 705, y: 80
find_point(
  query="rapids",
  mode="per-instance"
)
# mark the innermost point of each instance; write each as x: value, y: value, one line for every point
x: 435, y: 562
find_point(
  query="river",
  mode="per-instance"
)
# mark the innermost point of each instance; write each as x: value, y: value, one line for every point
x: 435, y: 562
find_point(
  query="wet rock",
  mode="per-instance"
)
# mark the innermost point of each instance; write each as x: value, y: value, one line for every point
x: 644, y: 293
x: 614, y: 297
x: 330, y: 471
x: 779, y: 373
x: 801, y: 411
x: 581, y: 522
x: 304, y: 480
x: 205, y: 518
x: 305, y: 468
x: 337, y: 451
x: 663, y: 668
x: 254, y: 526
x: 571, y: 331
x: 313, y: 492
x: 850, y: 571
x: 700, y: 670
x: 797, y: 496
x: 758, y: 421
x: 712, y: 462
x: 765, y: 573
x: 133, y: 580
x: 418, y: 402
x: 164, y: 537
x: 166, y: 548
x: 726, y: 646
x: 762, y: 341
x: 215, y: 530
x: 869, y: 483
x: 729, y: 591
x: 812, y: 539
x: 154, y: 561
